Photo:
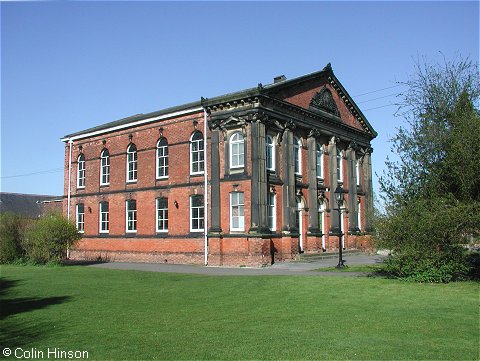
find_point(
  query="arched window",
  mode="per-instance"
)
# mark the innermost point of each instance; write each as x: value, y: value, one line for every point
x: 162, y: 215
x: 105, y: 167
x: 359, y: 214
x: 237, y: 151
x: 237, y: 211
x: 81, y: 171
x: 339, y: 165
x: 357, y: 172
x: 321, y: 222
x: 197, y: 213
x: 297, y: 155
x: 162, y: 158
x: 196, y: 153
x: 132, y: 163
x: 80, y: 217
x: 271, y: 211
x: 104, y: 217
x: 270, y: 153
x: 319, y: 158
x: 131, y: 213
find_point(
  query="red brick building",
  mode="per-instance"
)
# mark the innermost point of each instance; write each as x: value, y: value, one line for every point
x: 241, y: 179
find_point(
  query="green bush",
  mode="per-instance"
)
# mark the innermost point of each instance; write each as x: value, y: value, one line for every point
x: 11, y: 228
x: 428, y: 239
x: 48, y: 238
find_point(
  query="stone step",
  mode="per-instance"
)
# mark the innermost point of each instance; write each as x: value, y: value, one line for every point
x: 313, y: 257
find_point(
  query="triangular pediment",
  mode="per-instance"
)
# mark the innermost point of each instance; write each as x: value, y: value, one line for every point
x: 323, y: 100
x: 321, y: 93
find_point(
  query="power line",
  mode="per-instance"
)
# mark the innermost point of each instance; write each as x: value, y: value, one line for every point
x: 49, y: 171
x: 379, y: 90
x: 385, y: 96
x: 383, y: 106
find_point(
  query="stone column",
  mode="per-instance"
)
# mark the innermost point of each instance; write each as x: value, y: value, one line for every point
x: 312, y: 184
x: 352, y: 190
x: 215, y: 183
x: 368, y: 188
x: 259, y: 179
x: 289, y: 204
x: 332, y: 156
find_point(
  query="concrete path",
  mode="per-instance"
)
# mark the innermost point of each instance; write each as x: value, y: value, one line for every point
x: 278, y: 269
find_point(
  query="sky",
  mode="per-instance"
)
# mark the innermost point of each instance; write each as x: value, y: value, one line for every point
x: 69, y: 66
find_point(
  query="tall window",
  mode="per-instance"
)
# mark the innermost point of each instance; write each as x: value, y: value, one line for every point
x: 81, y: 171
x: 297, y: 156
x: 271, y: 211
x: 162, y: 214
x: 321, y: 223
x: 270, y: 153
x: 321, y: 218
x: 339, y: 165
x: 196, y: 153
x: 357, y: 171
x: 162, y: 158
x: 359, y: 215
x: 132, y: 163
x: 196, y: 213
x: 237, y: 152
x: 237, y: 212
x: 104, y: 217
x: 131, y: 206
x: 319, y: 158
x: 104, y: 167
x: 81, y: 217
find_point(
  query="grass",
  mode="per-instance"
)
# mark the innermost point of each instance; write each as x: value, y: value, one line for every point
x: 140, y: 315
x: 373, y: 268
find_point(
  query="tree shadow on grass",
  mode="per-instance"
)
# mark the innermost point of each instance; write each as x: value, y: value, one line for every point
x: 16, y: 333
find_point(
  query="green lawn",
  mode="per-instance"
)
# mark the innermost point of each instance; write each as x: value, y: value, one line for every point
x: 372, y: 268
x: 141, y: 315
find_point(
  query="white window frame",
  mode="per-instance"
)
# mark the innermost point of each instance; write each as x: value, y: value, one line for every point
x: 162, y: 154
x: 322, y: 219
x: 270, y: 147
x: 132, y: 159
x: 319, y: 160
x: 272, y: 208
x: 198, y: 218
x: 359, y: 215
x: 134, y: 218
x: 199, y: 152
x: 103, y: 218
x: 105, y: 167
x: 163, y: 212
x: 81, y: 171
x: 240, y: 145
x: 235, y: 202
x: 339, y: 169
x: 357, y: 171
x: 297, y: 156
x: 80, y: 218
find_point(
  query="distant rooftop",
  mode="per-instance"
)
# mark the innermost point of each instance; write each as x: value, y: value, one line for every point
x: 30, y: 205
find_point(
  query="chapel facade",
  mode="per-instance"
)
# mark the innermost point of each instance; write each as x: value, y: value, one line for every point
x: 241, y: 179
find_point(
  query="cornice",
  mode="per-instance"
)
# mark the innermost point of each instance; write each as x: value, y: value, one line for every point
x: 350, y: 106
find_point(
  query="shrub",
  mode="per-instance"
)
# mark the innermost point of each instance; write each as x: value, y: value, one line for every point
x: 11, y: 232
x: 48, y: 238
x: 428, y: 238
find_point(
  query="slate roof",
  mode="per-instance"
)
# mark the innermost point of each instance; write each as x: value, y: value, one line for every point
x: 251, y: 92
x: 30, y: 205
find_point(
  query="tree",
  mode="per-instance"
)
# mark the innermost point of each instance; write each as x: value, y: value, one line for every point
x: 47, y: 239
x: 432, y: 194
x: 435, y: 107
x: 11, y: 230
